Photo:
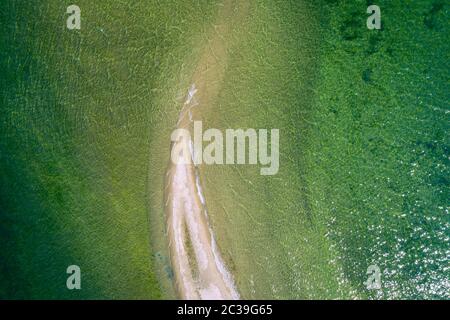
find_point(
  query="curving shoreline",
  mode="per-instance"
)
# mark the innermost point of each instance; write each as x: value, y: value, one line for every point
x: 200, y: 272
x: 199, y: 269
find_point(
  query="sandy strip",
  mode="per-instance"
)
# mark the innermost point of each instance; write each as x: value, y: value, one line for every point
x: 199, y: 269
x: 200, y: 272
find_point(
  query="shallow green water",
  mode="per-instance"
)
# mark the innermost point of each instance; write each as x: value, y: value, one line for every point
x: 380, y: 142
x: 86, y: 116
x: 77, y: 113
x: 363, y: 181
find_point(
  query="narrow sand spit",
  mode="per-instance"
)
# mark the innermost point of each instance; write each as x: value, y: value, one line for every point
x: 200, y: 272
x: 199, y: 269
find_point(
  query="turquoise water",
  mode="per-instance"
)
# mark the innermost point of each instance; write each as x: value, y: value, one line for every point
x: 382, y: 134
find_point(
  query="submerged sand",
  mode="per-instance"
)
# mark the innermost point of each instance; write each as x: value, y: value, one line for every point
x: 199, y: 269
